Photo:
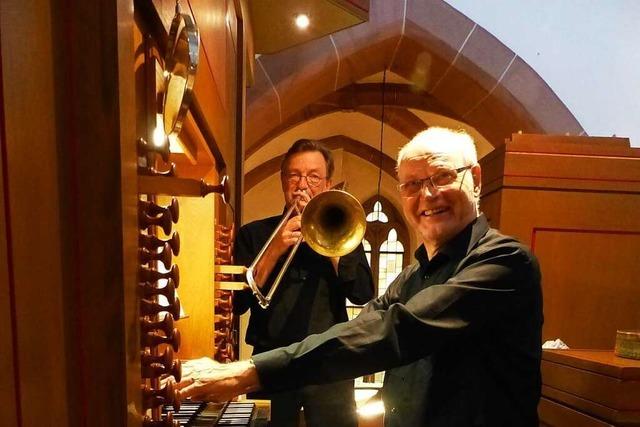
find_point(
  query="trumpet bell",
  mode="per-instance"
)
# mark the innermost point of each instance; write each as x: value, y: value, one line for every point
x: 333, y: 223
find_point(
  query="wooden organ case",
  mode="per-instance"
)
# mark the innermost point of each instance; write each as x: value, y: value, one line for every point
x: 167, y: 182
x: 91, y: 207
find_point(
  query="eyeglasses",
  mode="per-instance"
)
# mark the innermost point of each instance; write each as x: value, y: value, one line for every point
x: 294, y: 178
x: 438, y: 181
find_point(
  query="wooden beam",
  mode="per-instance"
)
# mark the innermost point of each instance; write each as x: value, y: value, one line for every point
x: 365, y: 98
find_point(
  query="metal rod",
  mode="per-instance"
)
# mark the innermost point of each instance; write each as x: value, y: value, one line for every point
x: 262, y: 300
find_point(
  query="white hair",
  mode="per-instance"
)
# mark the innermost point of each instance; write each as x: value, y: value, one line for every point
x: 440, y: 140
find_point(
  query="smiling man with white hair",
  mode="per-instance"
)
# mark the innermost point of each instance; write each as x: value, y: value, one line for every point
x: 444, y: 210
x: 458, y: 331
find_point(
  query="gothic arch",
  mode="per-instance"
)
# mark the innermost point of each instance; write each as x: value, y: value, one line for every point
x: 443, y: 54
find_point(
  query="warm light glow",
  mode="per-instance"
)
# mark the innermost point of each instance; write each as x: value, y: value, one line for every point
x: 371, y: 409
x: 368, y: 402
x: 363, y: 395
x: 302, y: 21
x: 158, y: 136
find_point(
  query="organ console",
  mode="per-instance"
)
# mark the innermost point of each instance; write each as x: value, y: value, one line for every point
x: 157, y: 317
x: 160, y: 337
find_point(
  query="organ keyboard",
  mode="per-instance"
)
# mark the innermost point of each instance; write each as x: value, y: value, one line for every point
x: 203, y: 414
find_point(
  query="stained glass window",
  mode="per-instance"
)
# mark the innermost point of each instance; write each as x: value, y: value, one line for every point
x: 390, y: 261
x: 377, y: 214
x: 383, y: 247
x: 384, y: 244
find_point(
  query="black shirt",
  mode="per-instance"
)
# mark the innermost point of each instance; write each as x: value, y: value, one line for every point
x: 460, y: 335
x: 310, y: 297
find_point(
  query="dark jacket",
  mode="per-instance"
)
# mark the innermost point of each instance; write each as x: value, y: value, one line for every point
x: 311, y: 296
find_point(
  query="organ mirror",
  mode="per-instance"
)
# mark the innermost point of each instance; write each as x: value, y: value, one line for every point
x: 180, y: 66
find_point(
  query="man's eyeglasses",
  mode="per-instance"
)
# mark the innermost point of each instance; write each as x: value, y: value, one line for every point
x: 438, y: 181
x: 313, y: 180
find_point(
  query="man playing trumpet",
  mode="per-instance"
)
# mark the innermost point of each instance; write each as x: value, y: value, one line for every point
x: 311, y: 296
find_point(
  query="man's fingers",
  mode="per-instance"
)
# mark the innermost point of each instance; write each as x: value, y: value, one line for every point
x: 185, y: 382
x: 303, y: 198
x: 302, y: 204
x: 190, y: 390
x: 294, y: 223
x: 196, y: 389
x: 291, y: 232
x: 302, y: 194
x: 201, y: 391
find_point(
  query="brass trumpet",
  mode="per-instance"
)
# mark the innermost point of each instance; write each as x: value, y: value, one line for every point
x: 333, y: 224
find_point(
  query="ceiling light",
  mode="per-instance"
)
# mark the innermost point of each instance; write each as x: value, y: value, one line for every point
x: 302, y: 21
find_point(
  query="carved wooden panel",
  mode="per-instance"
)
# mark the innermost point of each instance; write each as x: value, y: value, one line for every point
x: 590, y: 285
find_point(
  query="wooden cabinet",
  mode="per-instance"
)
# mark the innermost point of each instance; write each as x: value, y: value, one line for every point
x: 575, y: 202
x: 589, y: 388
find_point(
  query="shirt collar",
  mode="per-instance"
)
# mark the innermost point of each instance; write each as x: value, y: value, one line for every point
x: 460, y: 245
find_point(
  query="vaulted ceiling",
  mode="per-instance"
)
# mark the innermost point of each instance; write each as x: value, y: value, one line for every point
x: 438, y: 68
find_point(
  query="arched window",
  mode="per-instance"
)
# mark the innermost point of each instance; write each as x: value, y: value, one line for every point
x: 376, y: 214
x: 385, y: 243
x: 390, y: 260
